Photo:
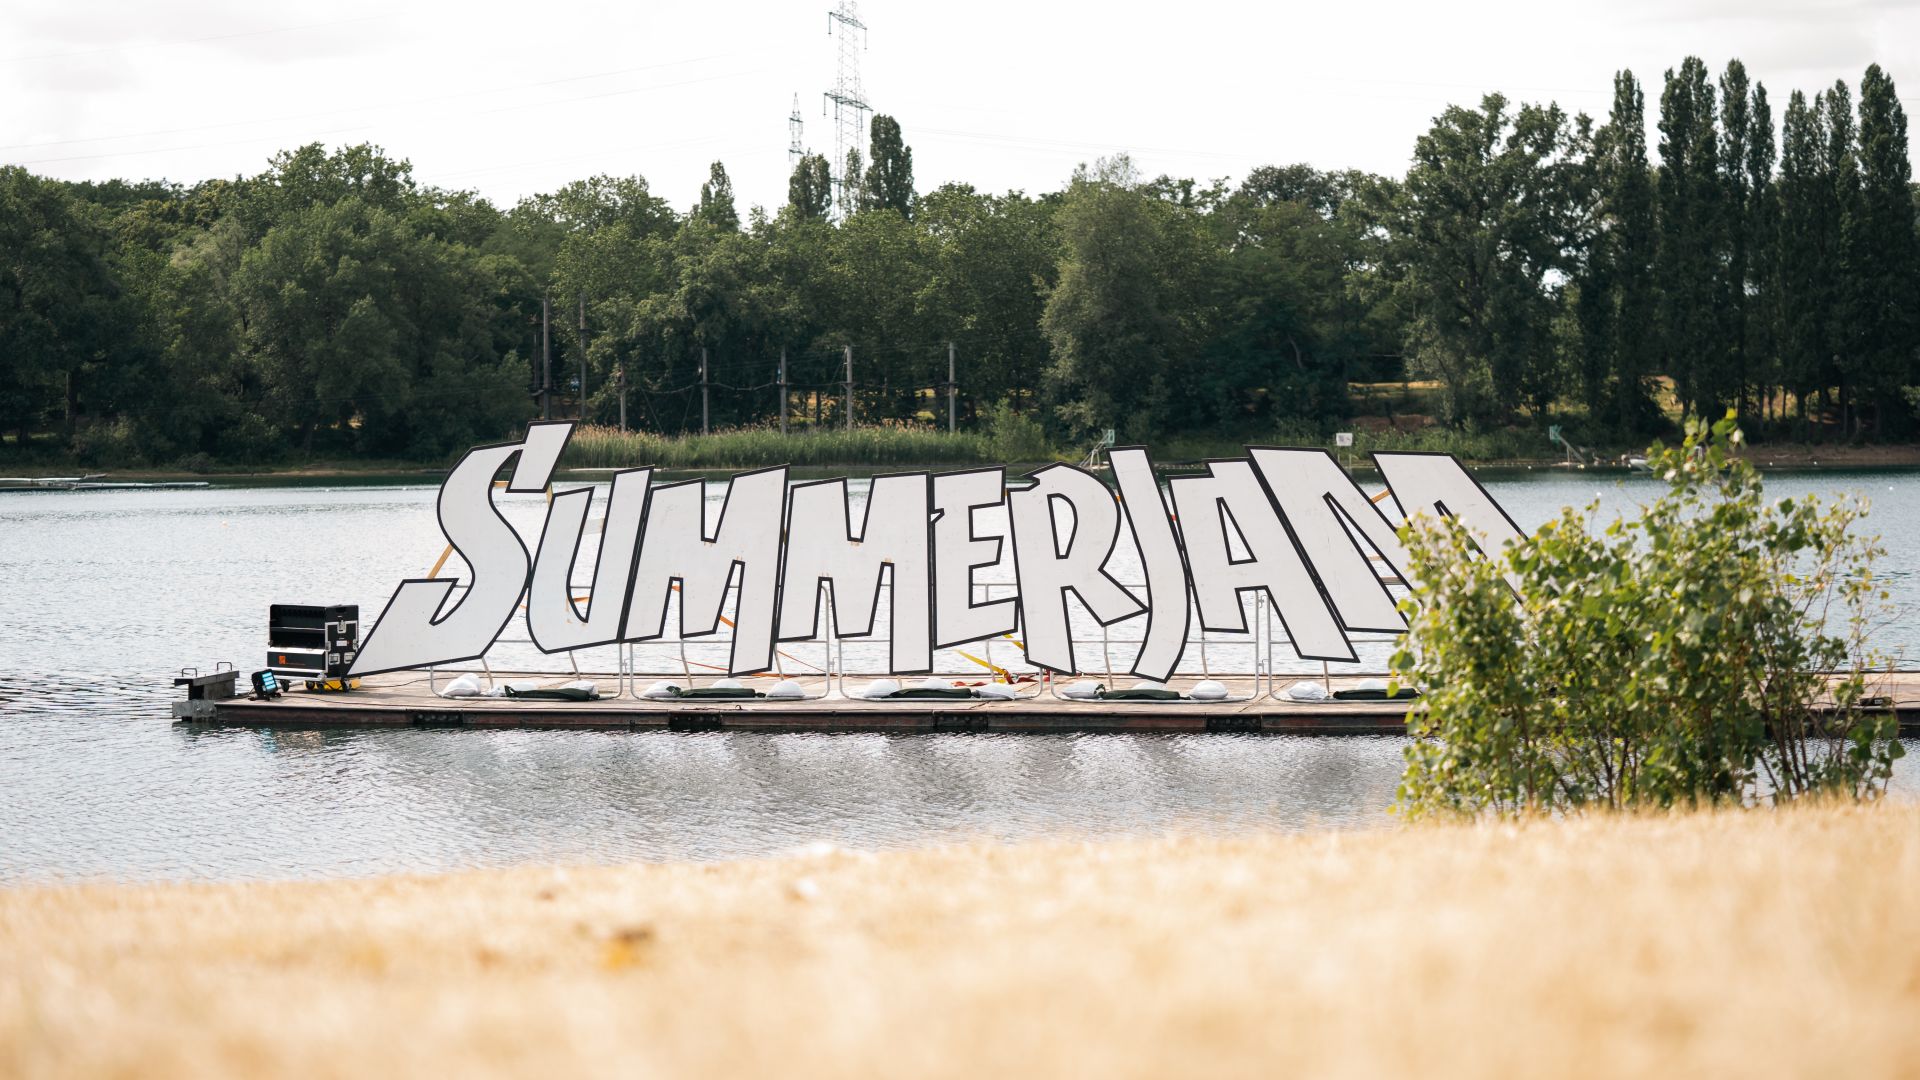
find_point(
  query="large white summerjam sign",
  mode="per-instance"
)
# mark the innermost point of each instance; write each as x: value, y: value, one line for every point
x: 1288, y: 522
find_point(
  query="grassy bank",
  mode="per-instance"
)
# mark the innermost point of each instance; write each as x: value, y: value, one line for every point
x: 877, y: 446
x: 1727, y: 943
x: 600, y: 447
x: 895, y: 447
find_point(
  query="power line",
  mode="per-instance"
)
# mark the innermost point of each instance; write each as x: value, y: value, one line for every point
x: 356, y: 127
x: 376, y: 106
x: 191, y: 41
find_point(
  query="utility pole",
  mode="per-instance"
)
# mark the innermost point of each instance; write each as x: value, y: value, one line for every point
x: 953, y: 389
x: 796, y: 144
x: 546, y: 361
x: 847, y: 405
x: 783, y: 391
x: 620, y: 381
x: 703, y: 389
x: 850, y: 107
x: 581, y: 410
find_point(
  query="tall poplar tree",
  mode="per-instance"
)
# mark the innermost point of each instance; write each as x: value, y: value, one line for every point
x: 1687, y: 265
x: 889, y: 179
x: 1736, y: 128
x: 716, y: 200
x: 1843, y: 322
x: 853, y: 192
x: 1884, y: 275
x: 1805, y: 252
x: 1762, y: 241
x: 810, y: 189
x: 1616, y: 295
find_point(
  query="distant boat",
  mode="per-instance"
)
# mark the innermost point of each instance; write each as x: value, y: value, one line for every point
x: 1636, y: 463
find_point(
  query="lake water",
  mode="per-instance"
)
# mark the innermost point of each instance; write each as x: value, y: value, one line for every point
x: 108, y: 593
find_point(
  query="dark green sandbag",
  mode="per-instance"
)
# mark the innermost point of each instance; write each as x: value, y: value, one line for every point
x: 554, y: 693
x: 1407, y: 693
x: 733, y: 693
x: 1139, y: 695
x: 956, y: 693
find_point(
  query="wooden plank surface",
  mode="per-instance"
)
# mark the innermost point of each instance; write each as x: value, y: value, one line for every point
x: 405, y: 700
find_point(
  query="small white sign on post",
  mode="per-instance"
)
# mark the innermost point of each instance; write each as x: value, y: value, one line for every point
x: 1343, y: 438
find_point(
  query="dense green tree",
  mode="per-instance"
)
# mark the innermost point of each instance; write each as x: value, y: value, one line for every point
x: 871, y: 284
x: 1846, y: 324
x: 852, y: 191
x: 888, y: 184
x: 371, y: 337
x: 810, y: 189
x: 1526, y: 261
x: 1807, y: 257
x: 991, y: 262
x: 1296, y: 324
x: 1762, y: 237
x: 716, y: 200
x: 1736, y: 201
x: 1127, y: 311
x: 1617, y: 300
x: 1883, y: 275
x: 60, y: 318
x: 1477, y: 236
x: 1693, y: 242
x: 600, y: 202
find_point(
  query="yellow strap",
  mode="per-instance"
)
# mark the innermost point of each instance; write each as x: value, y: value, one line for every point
x: 1000, y: 671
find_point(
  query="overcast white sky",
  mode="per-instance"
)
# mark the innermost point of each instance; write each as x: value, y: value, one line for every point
x: 511, y: 99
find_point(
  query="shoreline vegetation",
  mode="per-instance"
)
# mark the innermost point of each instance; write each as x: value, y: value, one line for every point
x: 1721, y: 942
x: 881, y: 448
x: 1532, y: 272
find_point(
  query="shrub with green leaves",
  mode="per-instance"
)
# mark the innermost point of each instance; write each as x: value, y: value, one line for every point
x: 1672, y: 659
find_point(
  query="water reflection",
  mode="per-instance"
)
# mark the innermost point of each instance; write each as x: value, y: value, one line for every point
x: 109, y: 592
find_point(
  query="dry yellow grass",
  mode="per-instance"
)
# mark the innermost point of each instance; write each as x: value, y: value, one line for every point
x: 1719, y: 944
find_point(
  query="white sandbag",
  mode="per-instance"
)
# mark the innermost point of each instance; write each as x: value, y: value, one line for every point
x: 661, y: 691
x: 1208, y: 690
x: 996, y: 692
x: 1084, y: 690
x: 467, y: 685
x: 786, y: 690
x: 1307, y: 690
x: 879, y: 688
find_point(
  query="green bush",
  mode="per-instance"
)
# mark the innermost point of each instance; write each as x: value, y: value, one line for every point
x: 1015, y: 437
x: 110, y: 442
x: 1668, y: 660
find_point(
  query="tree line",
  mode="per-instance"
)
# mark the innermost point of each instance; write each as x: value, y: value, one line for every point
x: 1537, y: 267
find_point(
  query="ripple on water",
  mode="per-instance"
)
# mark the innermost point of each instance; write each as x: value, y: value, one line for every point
x: 109, y: 593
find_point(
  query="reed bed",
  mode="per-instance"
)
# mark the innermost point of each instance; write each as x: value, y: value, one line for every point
x: 754, y: 447
x: 1722, y: 943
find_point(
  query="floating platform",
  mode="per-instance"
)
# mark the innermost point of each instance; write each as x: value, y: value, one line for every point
x: 406, y: 700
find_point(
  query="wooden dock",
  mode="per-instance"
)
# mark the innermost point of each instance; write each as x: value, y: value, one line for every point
x: 405, y: 700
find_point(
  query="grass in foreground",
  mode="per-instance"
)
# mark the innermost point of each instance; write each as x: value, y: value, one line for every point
x: 1723, y: 943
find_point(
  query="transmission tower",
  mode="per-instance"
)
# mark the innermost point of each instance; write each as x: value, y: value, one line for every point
x: 850, y: 106
x: 796, y: 144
